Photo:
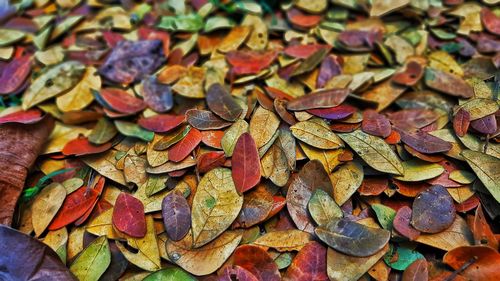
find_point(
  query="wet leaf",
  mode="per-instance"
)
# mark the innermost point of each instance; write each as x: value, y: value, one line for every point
x: 433, y: 210
x: 374, y: 151
x: 216, y: 205
x: 53, y: 82
x: 193, y: 259
x: 93, y: 260
x: 176, y: 216
x: 352, y: 238
x: 128, y: 216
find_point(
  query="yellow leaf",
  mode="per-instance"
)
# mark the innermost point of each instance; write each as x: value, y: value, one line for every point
x: 80, y: 96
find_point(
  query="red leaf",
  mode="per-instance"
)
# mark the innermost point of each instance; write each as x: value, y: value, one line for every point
x: 75, y: 205
x: 250, y: 62
x: 280, y: 108
x: 29, y: 116
x: 176, y: 215
x: 210, y: 160
x: 279, y: 203
x: 212, y: 138
x: 461, y: 122
x: 410, y: 189
x: 444, y: 178
x: 334, y: 113
x: 81, y: 146
x: 112, y: 38
x: 128, y: 215
x: 257, y: 261
x: 182, y: 149
x: 490, y: 21
x: 304, y: 51
x: 375, y: 124
x: 402, y: 224
x: 308, y: 264
x: 410, y: 76
x: 98, y: 187
x: 468, y: 204
x: 278, y: 94
x: 14, y: 74
x: 482, y: 262
x: 122, y: 102
x: 246, y: 163
x: 161, y: 123
x: 301, y: 19
x: 483, y: 235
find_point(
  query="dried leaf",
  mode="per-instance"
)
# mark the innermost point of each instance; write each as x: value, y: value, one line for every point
x: 316, y: 135
x: 486, y: 168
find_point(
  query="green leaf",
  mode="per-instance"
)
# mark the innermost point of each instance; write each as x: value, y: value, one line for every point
x: 169, y: 274
x: 187, y: 23
x: 133, y: 130
x: 42, y: 182
x: 418, y: 170
x: 400, y: 258
x: 93, y: 261
x: 385, y: 215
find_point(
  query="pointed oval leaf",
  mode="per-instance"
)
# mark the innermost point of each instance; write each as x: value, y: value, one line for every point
x: 128, y: 215
x: 161, y: 123
x: 402, y: 223
x: 316, y: 135
x: 418, y: 170
x: 323, y: 208
x: 353, y: 238
x: 375, y: 124
x: 75, y: 205
x: 246, y: 163
x: 183, y: 148
x: 93, y: 261
x: 46, y: 205
x: 216, y: 205
x: 222, y: 103
x: 133, y: 130
x: 263, y: 125
x: 176, y: 216
x: 205, y: 120
x: 322, y: 99
x: 486, y: 168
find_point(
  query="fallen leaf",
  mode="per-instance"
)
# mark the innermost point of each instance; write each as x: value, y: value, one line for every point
x: 128, y: 216
x: 93, y: 260
x: 256, y: 260
x: 481, y: 262
x: 176, y: 216
x: 433, y: 210
x: 245, y: 164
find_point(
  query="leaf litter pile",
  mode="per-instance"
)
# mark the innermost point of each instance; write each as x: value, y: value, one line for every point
x: 242, y: 140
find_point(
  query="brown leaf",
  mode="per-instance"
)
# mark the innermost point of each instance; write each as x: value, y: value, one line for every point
x: 447, y: 83
x: 480, y: 262
x: 222, y: 104
x: 461, y: 122
x: 321, y: 99
x: 417, y: 271
x: 19, y: 148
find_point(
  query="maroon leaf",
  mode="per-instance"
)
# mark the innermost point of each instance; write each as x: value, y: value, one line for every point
x: 401, y: 223
x: 156, y: 95
x: 182, y: 149
x: 417, y: 271
x: 433, y: 210
x: 161, y: 123
x: 334, y: 113
x: 205, y: 120
x: 375, y: 124
x: 321, y: 99
x: 485, y: 125
x: 13, y: 75
x: 246, y: 163
x: 176, y: 215
x: 461, y: 122
x: 128, y: 215
x: 132, y: 61
x: 413, y: 118
x: 29, y: 116
x: 257, y: 261
x: 308, y: 264
x: 424, y: 142
x: 222, y: 103
x: 250, y: 62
